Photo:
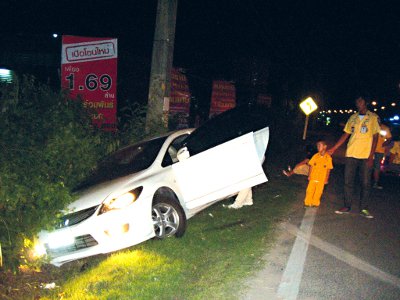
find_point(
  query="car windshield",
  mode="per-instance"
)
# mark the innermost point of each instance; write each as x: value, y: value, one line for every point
x: 125, y: 161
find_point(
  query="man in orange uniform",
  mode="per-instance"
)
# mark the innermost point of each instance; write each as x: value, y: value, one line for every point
x: 320, y: 168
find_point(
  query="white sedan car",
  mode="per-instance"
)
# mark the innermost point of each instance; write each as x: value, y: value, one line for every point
x: 151, y: 188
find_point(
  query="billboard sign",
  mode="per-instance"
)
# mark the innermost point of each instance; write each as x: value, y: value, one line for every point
x: 179, y: 102
x: 223, y: 97
x: 89, y: 73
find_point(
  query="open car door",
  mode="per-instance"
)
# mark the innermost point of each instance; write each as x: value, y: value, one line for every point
x: 222, y: 157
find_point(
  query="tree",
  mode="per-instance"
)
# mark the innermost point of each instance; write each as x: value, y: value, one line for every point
x: 47, y: 146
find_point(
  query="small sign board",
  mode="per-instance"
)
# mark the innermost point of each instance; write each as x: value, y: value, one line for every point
x: 308, y: 106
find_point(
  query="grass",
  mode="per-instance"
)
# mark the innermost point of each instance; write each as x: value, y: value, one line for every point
x: 220, y: 248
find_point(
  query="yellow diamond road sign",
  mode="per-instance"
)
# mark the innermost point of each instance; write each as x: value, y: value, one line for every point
x: 308, y: 106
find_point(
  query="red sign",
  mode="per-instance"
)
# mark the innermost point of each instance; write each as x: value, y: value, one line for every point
x: 179, y: 103
x: 223, y: 97
x: 180, y: 94
x: 89, y: 72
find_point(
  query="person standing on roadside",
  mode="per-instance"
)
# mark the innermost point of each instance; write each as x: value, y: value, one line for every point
x: 363, y: 129
x: 384, y: 139
x: 394, y: 159
x: 320, y: 168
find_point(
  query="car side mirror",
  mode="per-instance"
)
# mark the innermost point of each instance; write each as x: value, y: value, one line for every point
x: 183, y: 154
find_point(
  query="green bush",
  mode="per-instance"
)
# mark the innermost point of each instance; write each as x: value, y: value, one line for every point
x: 47, y: 146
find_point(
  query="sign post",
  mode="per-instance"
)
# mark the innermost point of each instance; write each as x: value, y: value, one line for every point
x: 307, y: 106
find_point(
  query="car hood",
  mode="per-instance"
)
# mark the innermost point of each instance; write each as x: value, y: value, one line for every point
x: 96, y: 194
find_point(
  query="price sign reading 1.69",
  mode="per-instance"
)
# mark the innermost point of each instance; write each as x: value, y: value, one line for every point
x: 92, y: 82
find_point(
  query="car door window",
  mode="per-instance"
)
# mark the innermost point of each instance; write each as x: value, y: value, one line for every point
x: 227, y: 126
x: 170, y: 156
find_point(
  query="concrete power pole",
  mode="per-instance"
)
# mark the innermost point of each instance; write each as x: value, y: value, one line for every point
x: 162, y: 57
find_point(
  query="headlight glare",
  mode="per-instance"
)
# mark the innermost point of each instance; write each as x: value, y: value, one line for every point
x: 39, y: 250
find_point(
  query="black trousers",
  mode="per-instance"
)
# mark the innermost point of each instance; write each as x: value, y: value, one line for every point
x: 352, y: 166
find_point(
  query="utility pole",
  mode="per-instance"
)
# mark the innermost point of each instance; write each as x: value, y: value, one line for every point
x: 161, y: 64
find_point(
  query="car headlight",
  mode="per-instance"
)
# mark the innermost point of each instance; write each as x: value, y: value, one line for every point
x: 121, y: 201
x: 39, y: 250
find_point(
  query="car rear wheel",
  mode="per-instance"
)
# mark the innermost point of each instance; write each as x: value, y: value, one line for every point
x: 168, y: 218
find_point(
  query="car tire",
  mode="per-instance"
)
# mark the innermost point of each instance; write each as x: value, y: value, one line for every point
x: 168, y: 218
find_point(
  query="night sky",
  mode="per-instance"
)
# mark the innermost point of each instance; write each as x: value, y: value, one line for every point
x: 333, y: 48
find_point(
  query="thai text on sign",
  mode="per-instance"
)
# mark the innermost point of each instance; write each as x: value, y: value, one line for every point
x: 223, y: 97
x: 179, y: 102
x: 180, y: 94
x: 89, y: 73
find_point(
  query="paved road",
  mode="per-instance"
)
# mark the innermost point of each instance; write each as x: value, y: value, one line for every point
x: 321, y: 255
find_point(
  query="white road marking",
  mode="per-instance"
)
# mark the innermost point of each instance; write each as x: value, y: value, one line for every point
x: 346, y: 257
x: 290, y: 282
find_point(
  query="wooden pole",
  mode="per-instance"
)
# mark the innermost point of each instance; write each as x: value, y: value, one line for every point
x: 305, y: 128
x: 160, y: 76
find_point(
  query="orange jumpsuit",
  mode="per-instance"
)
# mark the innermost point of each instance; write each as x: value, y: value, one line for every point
x: 320, y: 165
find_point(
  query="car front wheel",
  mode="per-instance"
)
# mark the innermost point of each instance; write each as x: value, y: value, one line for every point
x: 168, y: 218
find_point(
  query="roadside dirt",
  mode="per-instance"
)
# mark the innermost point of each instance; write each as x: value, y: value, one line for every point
x: 26, y: 285
x: 29, y: 284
